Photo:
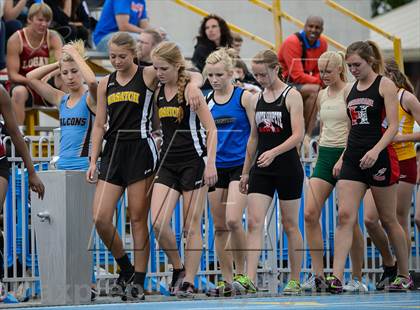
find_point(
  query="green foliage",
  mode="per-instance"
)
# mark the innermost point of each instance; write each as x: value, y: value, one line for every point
x: 380, y: 7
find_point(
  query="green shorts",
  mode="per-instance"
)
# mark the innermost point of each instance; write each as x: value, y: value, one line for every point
x: 327, y: 157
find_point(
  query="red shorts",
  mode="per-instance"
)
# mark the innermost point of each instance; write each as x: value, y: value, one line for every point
x: 408, y: 170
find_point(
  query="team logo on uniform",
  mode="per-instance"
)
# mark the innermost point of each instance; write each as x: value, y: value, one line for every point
x: 269, y: 122
x: 380, y: 175
x: 358, y: 110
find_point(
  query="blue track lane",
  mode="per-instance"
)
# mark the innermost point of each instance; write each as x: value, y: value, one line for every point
x: 383, y: 301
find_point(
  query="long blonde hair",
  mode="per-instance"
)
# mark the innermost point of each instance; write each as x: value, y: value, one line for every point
x: 332, y: 59
x: 80, y: 48
x: 170, y: 52
x: 222, y: 55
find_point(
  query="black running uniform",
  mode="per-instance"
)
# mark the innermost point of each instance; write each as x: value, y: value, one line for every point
x: 285, y: 173
x: 183, y: 151
x: 130, y: 153
x: 366, y: 110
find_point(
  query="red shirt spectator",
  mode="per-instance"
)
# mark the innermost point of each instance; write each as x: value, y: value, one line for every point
x: 291, y: 52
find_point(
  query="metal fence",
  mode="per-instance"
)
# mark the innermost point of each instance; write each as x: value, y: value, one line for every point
x: 20, y: 266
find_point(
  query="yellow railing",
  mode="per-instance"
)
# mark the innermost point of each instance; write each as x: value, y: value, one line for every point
x: 396, y: 40
x: 232, y: 27
x: 278, y: 14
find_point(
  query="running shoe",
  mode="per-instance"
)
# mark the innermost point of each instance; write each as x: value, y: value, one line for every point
x: 292, y: 288
x: 334, y: 285
x: 93, y: 294
x: 355, y: 286
x: 118, y: 289
x: 314, y: 284
x: 187, y: 290
x: 401, y: 284
x: 177, y: 276
x: 243, y: 285
x: 388, y: 276
x: 134, y: 292
x: 223, y: 289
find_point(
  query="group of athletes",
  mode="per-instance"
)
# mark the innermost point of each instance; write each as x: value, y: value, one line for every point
x: 165, y: 139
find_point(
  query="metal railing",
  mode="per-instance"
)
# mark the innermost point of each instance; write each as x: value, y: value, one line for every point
x: 20, y: 260
x: 233, y: 27
x: 278, y: 14
x: 396, y: 40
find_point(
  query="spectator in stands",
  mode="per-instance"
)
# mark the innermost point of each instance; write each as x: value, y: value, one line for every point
x: 298, y: 56
x: 27, y: 49
x: 237, y: 42
x: 8, y: 24
x: 214, y: 33
x: 22, y: 57
x: 243, y: 78
x: 148, y: 39
x: 70, y: 19
x: 123, y: 15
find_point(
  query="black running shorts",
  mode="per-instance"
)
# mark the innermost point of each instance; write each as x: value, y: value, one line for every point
x: 128, y: 161
x: 182, y: 176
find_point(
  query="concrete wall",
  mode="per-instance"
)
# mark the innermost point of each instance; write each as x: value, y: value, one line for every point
x: 182, y: 25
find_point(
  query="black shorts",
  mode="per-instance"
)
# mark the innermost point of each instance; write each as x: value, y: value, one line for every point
x: 127, y: 162
x: 384, y: 172
x: 182, y: 176
x: 4, y: 168
x: 227, y: 175
x: 287, y: 187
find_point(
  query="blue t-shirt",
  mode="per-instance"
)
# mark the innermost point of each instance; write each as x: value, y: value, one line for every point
x: 233, y: 129
x: 76, y: 124
x: 136, y: 9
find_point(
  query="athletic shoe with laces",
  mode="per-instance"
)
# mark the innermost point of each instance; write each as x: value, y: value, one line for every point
x: 134, y: 292
x: 186, y: 290
x: 309, y: 284
x: 177, y: 276
x: 292, y: 288
x: 118, y: 289
x: 355, y: 286
x: 314, y: 284
x: 244, y: 285
x: 401, y: 284
x: 334, y: 285
x: 223, y: 289
x: 388, y: 276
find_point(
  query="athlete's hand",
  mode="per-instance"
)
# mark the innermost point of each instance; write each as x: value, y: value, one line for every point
x: 210, y: 175
x: 266, y: 158
x: 243, y: 184
x: 337, y: 168
x: 194, y: 96
x: 70, y: 50
x: 36, y: 185
x: 369, y: 159
x: 92, y: 174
